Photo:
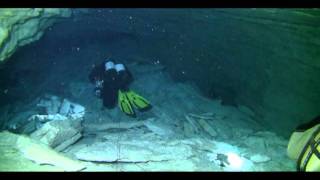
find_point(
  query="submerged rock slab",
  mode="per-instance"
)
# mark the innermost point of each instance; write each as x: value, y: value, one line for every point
x: 59, y: 134
x: 158, y: 127
x: 134, y: 151
x: 258, y: 158
x: 21, y: 26
x: 21, y: 153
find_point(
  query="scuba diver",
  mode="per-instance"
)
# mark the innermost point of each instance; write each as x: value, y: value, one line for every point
x: 304, y: 146
x: 112, y: 86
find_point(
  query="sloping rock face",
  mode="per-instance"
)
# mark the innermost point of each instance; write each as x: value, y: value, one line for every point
x: 20, y: 26
x: 265, y: 59
x: 21, y: 153
x: 272, y: 64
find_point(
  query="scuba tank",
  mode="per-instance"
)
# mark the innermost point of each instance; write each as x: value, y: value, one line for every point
x: 124, y: 77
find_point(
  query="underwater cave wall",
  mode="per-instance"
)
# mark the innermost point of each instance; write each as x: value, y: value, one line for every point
x: 265, y: 59
x: 21, y: 26
x: 271, y: 60
x: 280, y: 68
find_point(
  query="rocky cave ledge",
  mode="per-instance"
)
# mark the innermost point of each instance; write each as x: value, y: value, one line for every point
x: 21, y: 26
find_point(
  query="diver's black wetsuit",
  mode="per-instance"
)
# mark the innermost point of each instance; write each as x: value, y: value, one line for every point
x: 113, y: 81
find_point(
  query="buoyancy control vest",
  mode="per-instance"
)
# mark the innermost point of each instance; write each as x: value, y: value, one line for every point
x: 304, y: 146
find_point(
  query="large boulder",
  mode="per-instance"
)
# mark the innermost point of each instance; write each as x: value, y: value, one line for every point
x: 21, y: 26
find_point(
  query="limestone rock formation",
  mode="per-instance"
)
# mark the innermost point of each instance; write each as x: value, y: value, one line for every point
x: 134, y: 151
x: 57, y: 108
x: 59, y: 134
x: 20, y: 26
x: 21, y: 153
x: 61, y: 125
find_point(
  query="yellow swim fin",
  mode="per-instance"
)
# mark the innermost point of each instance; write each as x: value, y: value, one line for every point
x: 137, y: 101
x: 124, y: 104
